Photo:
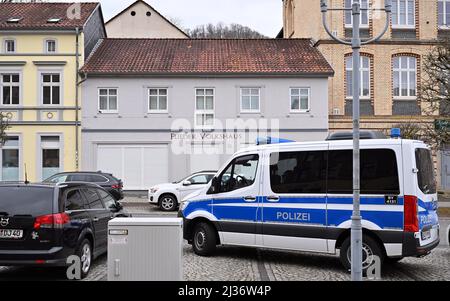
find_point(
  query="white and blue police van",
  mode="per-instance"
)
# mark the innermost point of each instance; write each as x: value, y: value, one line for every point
x: 298, y: 196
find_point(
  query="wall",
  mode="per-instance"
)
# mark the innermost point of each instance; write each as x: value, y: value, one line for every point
x: 141, y: 25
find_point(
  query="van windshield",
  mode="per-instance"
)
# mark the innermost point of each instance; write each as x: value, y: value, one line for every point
x: 34, y: 201
x: 425, y: 174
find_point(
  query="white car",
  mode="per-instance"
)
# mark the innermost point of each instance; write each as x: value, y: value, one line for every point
x: 169, y: 195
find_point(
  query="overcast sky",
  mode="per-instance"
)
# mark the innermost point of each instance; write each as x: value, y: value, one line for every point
x: 264, y: 16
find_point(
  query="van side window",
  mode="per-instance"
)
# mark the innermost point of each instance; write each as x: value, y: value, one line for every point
x: 74, y: 200
x: 298, y: 172
x: 379, y: 172
x: 239, y: 174
x: 93, y: 198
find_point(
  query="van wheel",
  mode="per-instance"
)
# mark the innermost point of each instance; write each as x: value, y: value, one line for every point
x: 370, y: 248
x: 205, y: 240
x: 84, y: 252
x: 168, y: 203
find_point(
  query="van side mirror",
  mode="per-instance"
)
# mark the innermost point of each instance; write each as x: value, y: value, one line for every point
x: 187, y: 183
x: 214, y: 186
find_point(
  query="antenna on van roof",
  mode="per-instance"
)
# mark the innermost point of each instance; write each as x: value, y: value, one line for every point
x: 26, y: 175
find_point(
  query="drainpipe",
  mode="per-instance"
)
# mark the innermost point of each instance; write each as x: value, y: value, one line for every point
x: 77, y: 104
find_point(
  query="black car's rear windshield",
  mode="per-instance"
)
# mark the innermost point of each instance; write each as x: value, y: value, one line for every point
x: 34, y: 201
x: 425, y: 175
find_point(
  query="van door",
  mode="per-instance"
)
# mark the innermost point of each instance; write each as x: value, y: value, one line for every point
x: 236, y: 205
x: 427, y: 199
x: 294, y: 200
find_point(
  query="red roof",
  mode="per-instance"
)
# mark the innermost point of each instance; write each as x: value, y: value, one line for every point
x: 35, y: 16
x: 207, y: 56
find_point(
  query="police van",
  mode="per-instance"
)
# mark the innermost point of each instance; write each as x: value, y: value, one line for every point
x: 298, y: 196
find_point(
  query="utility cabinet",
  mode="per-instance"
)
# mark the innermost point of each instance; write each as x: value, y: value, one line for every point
x: 145, y: 249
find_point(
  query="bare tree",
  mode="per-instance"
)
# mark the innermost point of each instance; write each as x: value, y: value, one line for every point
x: 3, y: 127
x: 411, y: 130
x: 223, y: 31
x: 435, y: 94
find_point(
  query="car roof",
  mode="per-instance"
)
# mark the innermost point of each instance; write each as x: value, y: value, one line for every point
x: 83, y: 172
x: 334, y: 143
x: 49, y: 185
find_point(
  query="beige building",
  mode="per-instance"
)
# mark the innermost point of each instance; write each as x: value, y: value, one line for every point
x: 140, y: 20
x: 391, y: 69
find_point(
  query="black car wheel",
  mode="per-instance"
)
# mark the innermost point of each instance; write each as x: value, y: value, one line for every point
x: 204, y: 240
x: 370, y: 249
x: 85, y: 254
x: 168, y: 203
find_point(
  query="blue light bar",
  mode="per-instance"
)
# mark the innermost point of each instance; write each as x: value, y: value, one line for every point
x: 396, y: 133
x: 270, y: 140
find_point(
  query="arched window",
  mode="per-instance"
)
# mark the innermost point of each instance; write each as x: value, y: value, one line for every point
x: 405, y: 76
x: 364, y: 74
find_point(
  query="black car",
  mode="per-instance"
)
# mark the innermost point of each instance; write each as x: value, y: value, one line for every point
x: 44, y: 224
x: 105, y: 180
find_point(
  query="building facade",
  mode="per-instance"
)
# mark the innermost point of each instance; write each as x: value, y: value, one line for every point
x: 188, y: 105
x: 140, y: 20
x: 391, y: 69
x: 43, y: 45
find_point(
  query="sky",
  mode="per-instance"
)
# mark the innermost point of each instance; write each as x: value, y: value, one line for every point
x: 264, y: 16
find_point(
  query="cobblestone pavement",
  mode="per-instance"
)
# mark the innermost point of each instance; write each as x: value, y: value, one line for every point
x: 248, y: 264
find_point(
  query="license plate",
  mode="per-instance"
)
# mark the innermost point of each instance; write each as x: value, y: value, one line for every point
x: 11, y: 234
x: 426, y: 235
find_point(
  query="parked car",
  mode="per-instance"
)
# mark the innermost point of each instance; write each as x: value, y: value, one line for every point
x: 105, y: 180
x: 168, y: 196
x: 44, y: 224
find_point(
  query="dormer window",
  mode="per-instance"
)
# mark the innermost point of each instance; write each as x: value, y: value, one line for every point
x: 10, y: 46
x: 50, y: 46
x: 13, y: 20
x: 54, y: 20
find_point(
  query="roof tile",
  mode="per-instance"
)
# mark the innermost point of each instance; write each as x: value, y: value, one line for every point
x: 208, y: 56
x: 34, y: 16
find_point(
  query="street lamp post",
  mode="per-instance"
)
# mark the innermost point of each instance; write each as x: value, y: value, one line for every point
x: 356, y: 43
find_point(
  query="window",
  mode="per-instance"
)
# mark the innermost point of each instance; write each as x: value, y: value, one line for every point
x: 239, y: 174
x: 10, y: 46
x: 33, y: 201
x: 200, y: 179
x: 444, y: 13
x: 10, y: 159
x: 107, y: 100
x: 405, y: 77
x: 364, y: 74
x: 74, y: 201
x: 425, y: 175
x: 403, y: 13
x: 107, y: 200
x: 250, y: 98
x: 298, y: 172
x: 300, y: 99
x: 157, y: 100
x: 51, y: 89
x: 364, y: 17
x: 379, y: 172
x: 10, y: 89
x: 204, y: 108
x: 57, y: 179
x: 50, y: 152
x: 50, y: 46
x: 93, y: 198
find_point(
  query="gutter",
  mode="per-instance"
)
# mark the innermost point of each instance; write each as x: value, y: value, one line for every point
x: 77, y: 101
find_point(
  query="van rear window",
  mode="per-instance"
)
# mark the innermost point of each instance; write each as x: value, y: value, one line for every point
x: 34, y: 201
x: 425, y: 175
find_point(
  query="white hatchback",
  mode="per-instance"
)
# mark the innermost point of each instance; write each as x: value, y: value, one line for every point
x: 169, y: 195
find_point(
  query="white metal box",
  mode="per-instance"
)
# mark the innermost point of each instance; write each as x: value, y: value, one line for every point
x: 145, y: 249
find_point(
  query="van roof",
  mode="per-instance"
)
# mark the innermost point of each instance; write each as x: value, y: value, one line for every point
x: 338, y: 143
